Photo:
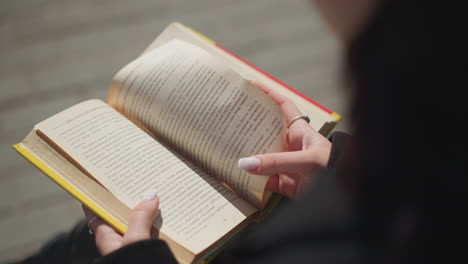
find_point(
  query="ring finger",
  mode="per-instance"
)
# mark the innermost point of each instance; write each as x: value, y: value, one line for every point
x: 93, y: 220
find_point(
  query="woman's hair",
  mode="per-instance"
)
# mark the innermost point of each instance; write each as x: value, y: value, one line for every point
x: 405, y: 74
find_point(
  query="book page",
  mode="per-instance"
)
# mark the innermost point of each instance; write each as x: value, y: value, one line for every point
x: 204, y: 110
x: 320, y: 119
x: 195, y: 210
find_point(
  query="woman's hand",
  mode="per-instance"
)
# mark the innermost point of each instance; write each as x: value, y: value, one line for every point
x: 139, y: 226
x: 307, y: 153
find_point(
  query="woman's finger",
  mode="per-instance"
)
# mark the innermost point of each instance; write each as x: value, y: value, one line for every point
x: 142, y: 218
x: 290, y: 110
x: 295, y: 162
x: 107, y: 239
x: 286, y: 185
x: 88, y: 214
x: 92, y: 218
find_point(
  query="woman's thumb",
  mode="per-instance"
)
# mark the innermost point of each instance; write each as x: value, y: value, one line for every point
x: 142, y: 218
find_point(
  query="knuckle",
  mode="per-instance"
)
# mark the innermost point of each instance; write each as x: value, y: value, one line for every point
x: 274, y: 165
x: 283, y: 102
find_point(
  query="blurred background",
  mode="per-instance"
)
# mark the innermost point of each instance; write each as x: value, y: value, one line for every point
x: 55, y: 53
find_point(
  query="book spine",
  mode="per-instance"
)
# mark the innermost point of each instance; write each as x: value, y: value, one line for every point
x: 54, y: 176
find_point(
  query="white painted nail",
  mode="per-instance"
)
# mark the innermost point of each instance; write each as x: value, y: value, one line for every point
x: 150, y: 196
x: 250, y: 163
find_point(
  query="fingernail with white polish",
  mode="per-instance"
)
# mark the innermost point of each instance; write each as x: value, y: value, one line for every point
x: 250, y: 163
x: 150, y: 196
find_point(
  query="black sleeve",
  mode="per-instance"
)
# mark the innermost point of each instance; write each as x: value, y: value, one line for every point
x: 318, y: 227
x: 340, y: 142
x: 147, y: 251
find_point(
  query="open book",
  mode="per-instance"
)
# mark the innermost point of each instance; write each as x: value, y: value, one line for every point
x: 177, y: 120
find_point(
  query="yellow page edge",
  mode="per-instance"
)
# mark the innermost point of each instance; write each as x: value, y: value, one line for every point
x: 336, y: 116
x: 67, y: 186
x: 207, y: 39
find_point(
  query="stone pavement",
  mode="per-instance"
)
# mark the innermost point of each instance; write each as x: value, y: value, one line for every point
x: 56, y: 53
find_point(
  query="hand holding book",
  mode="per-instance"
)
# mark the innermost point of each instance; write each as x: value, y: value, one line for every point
x: 308, y: 151
x: 142, y: 218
